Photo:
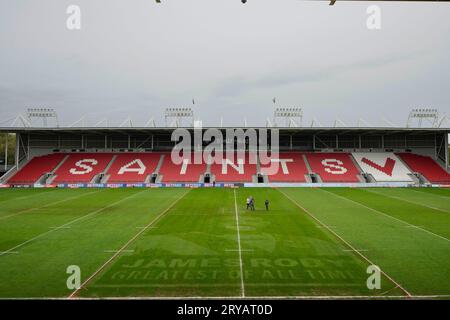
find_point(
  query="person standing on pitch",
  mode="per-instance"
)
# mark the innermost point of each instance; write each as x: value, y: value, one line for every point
x: 248, y: 203
x: 267, y: 204
x: 252, y: 204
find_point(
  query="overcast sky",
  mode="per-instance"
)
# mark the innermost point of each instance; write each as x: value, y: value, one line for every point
x: 136, y: 57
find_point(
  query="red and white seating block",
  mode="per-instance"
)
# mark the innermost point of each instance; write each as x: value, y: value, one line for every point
x: 291, y: 168
x: 37, y: 167
x: 133, y: 167
x: 235, y: 169
x: 186, y: 171
x: 383, y: 166
x: 426, y: 166
x: 82, y: 167
x: 333, y: 167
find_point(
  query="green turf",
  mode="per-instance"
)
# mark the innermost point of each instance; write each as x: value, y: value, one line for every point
x: 185, y: 242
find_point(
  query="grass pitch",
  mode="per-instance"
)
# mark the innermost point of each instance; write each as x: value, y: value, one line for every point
x: 204, y: 243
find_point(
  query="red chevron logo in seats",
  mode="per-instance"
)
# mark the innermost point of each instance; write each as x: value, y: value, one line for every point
x: 387, y: 168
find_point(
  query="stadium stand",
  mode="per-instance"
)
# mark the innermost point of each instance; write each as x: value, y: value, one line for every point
x: 132, y: 167
x: 291, y: 168
x: 333, y: 167
x: 188, y: 171
x: 82, y: 167
x: 37, y: 167
x: 427, y: 167
x: 383, y: 166
x: 235, y: 169
x: 307, y: 154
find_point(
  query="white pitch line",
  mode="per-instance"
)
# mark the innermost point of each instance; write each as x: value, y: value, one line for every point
x: 387, y: 215
x: 30, y: 196
x: 69, y: 223
x: 409, y: 201
x: 318, y: 297
x: 68, y: 227
x: 355, y: 250
x: 242, y: 250
x: 8, y: 252
x: 387, y: 291
x: 345, y: 242
x: 321, y: 227
x: 433, y: 194
x: 103, y: 266
x: 239, y: 245
x: 115, y: 251
x: 47, y: 205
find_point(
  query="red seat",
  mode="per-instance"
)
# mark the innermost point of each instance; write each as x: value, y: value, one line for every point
x: 333, y: 167
x: 133, y: 167
x: 82, y: 167
x: 36, y: 168
x: 291, y: 168
x: 236, y: 168
x: 188, y: 171
x: 426, y: 166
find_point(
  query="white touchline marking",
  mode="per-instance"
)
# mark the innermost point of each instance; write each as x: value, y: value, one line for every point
x: 387, y: 291
x: 375, y: 297
x: 115, y: 251
x: 8, y: 252
x: 413, y: 226
x: 242, y: 250
x: 30, y: 196
x: 239, y: 245
x: 356, y: 250
x: 386, y: 215
x: 321, y: 227
x: 70, y: 222
x: 432, y: 194
x: 73, y: 294
x: 48, y: 205
x: 68, y: 227
x: 345, y: 242
x: 413, y: 202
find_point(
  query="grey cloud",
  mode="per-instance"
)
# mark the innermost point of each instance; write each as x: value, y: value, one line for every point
x: 236, y: 86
